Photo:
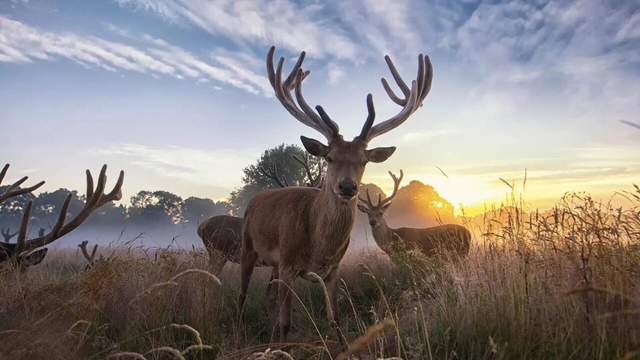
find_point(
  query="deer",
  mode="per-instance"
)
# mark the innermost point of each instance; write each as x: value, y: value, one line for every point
x: 432, y: 241
x: 221, y: 234
x: 304, y: 232
x: 28, y: 252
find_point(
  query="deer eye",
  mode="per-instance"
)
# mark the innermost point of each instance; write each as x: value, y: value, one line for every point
x: 329, y: 159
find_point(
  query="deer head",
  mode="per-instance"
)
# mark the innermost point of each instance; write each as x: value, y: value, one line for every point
x: 376, y: 212
x: 346, y: 160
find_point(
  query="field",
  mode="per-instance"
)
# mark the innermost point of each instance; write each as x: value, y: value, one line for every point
x: 557, y: 284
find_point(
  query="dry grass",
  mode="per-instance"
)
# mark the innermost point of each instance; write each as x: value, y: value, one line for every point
x: 558, y: 284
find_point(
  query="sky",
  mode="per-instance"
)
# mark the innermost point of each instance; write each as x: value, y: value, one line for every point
x: 175, y: 92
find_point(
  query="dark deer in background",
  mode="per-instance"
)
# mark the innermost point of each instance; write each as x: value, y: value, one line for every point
x: 26, y: 252
x: 304, y: 231
x: 221, y: 234
x: 450, y: 238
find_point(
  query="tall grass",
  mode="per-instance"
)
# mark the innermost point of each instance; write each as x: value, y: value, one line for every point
x: 563, y: 283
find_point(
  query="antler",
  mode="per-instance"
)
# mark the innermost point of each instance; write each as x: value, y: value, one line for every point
x: 311, y: 180
x: 387, y: 200
x: 90, y: 258
x: 7, y: 235
x: 14, y: 189
x: 301, y: 110
x: 413, y: 98
x: 272, y: 173
x: 95, y: 198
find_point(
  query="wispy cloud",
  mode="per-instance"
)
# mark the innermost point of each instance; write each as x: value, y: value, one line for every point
x: 190, y: 165
x: 21, y: 43
x: 344, y: 30
x: 293, y: 26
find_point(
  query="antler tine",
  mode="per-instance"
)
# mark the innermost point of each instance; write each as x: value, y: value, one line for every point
x: 367, y: 201
x: 7, y: 235
x: 24, y: 225
x: 300, y: 110
x: 370, y: 118
x: 413, y: 97
x: 396, y: 186
x: 94, y: 200
x: 89, y: 257
x: 14, y: 189
x: 3, y: 172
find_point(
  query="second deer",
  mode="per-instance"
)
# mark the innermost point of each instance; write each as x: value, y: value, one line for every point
x: 438, y: 240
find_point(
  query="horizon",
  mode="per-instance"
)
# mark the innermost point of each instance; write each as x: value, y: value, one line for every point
x: 174, y: 92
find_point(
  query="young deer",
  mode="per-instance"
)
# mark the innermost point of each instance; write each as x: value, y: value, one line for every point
x: 430, y: 241
x: 26, y: 252
x: 302, y: 231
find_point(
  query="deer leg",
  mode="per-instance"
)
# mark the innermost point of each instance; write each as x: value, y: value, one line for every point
x: 270, y: 292
x: 331, y: 283
x: 287, y: 278
x: 216, y: 261
x: 247, y: 263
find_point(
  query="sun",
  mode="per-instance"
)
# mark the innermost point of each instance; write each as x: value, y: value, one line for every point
x: 464, y: 192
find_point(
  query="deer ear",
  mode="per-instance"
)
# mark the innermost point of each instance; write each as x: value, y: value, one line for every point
x: 386, y: 206
x: 363, y: 208
x: 33, y: 258
x: 314, y: 147
x: 378, y: 155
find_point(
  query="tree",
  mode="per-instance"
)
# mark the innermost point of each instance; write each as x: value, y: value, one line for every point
x: 277, y: 162
x: 419, y: 205
x: 157, y: 207
x: 196, y: 210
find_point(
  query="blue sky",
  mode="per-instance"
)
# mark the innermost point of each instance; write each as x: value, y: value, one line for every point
x: 175, y: 92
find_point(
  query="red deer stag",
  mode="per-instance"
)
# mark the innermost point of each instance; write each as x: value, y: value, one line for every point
x: 26, y: 252
x: 431, y: 241
x: 221, y: 234
x: 303, y: 231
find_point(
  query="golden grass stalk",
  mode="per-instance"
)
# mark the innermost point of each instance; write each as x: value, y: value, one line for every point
x: 329, y: 306
x: 188, y: 328
x: 127, y: 355
x: 315, y: 326
x: 151, y: 289
x: 193, y: 348
x: 168, y: 350
x: 364, y: 340
x: 208, y: 275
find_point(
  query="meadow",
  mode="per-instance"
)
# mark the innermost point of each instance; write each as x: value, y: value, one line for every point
x: 561, y: 284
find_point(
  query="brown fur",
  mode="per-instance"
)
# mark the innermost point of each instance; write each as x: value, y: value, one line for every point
x: 432, y: 241
x: 221, y: 237
x: 301, y: 230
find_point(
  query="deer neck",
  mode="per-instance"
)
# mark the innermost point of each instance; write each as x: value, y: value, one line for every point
x: 334, y: 220
x: 383, y: 235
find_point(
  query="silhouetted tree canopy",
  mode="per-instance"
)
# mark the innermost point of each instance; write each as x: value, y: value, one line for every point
x: 155, y: 207
x: 420, y: 205
x: 280, y: 161
x: 195, y: 210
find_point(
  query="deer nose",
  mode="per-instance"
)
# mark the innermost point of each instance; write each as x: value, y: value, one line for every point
x: 348, y: 188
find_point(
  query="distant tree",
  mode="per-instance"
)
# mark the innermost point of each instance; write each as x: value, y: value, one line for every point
x: 11, y: 210
x: 108, y: 215
x: 157, y: 207
x: 195, y: 210
x: 275, y: 162
x: 418, y: 204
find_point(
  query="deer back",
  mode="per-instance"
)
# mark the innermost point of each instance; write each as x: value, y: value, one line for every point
x: 222, y: 233
x: 432, y: 240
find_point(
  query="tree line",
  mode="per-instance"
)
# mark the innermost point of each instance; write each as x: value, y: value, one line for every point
x: 276, y: 167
